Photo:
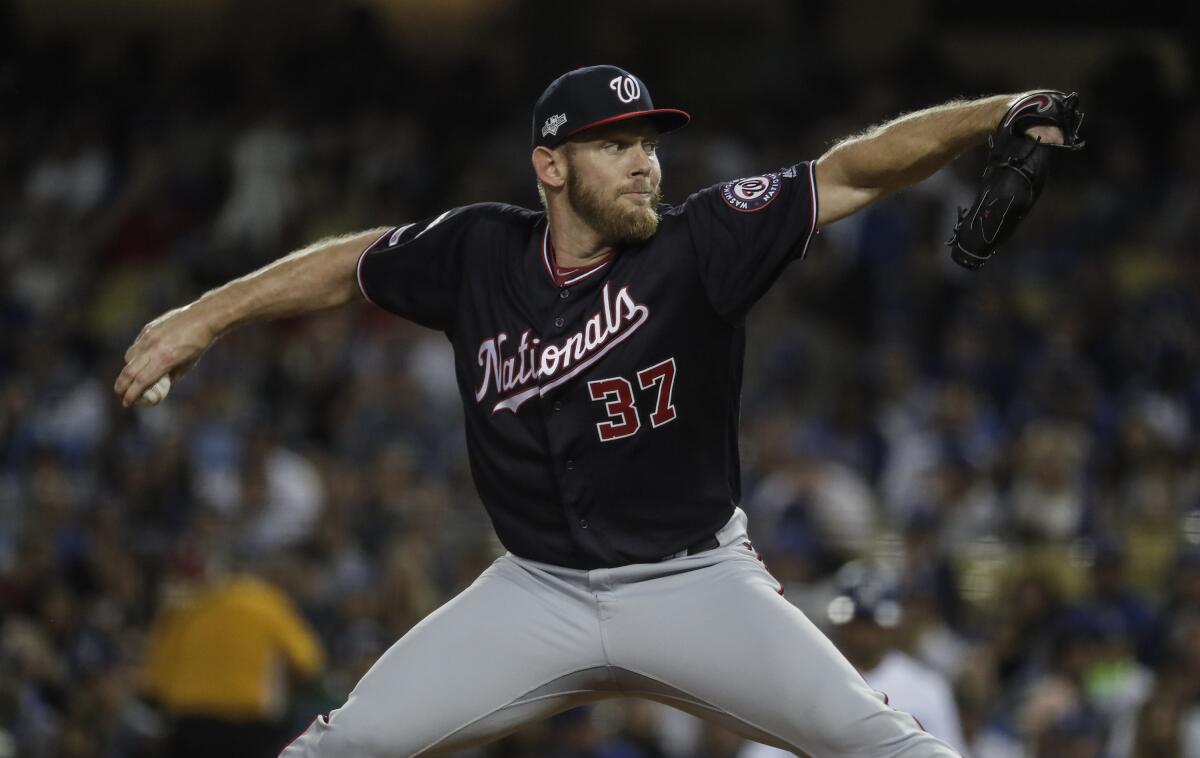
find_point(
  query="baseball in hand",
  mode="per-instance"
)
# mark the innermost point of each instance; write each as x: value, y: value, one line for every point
x: 155, y: 394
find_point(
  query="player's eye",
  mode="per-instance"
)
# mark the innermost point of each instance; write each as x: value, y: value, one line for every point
x: 611, y: 147
x: 651, y: 147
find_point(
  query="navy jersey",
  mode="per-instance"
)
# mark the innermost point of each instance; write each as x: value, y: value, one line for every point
x: 601, y: 403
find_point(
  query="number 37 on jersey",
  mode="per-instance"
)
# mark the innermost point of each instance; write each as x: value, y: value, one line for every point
x: 616, y: 393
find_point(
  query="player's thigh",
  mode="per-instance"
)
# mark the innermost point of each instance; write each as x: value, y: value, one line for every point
x: 509, y: 649
x: 720, y: 642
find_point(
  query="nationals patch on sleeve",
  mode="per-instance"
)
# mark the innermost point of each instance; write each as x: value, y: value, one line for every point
x: 751, y: 194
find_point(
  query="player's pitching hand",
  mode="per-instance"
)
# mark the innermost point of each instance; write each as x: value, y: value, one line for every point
x: 168, y: 346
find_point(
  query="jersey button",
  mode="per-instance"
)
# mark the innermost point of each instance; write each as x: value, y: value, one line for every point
x: 557, y: 406
x: 564, y: 293
x: 559, y: 322
x: 583, y: 524
x: 570, y: 465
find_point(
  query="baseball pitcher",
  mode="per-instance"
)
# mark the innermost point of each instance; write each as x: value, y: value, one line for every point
x: 598, y: 348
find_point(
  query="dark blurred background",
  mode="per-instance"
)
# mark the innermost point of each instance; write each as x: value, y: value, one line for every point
x: 1019, y: 447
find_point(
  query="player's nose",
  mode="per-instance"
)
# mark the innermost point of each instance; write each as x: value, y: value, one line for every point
x: 641, y: 162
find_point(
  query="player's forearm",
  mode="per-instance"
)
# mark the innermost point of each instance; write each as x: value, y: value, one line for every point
x: 322, y: 275
x: 913, y: 147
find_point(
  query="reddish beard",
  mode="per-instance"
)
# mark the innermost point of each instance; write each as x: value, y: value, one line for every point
x: 613, y: 222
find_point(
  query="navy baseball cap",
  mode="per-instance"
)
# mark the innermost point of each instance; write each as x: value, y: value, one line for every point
x: 592, y: 96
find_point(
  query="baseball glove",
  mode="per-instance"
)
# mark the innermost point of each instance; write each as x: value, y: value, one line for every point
x: 1017, y: 166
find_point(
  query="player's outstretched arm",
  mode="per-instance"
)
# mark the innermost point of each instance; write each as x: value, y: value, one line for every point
x: 320, y: 276
x: 861, y: 169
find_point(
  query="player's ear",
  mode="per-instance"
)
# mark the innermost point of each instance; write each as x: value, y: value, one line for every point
x: 550, y: 166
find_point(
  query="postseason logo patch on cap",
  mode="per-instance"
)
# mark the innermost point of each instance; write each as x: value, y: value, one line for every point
x: 553, y: 123
x: 595, y: 95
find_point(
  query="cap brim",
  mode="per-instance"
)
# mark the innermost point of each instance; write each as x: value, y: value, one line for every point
x: 665, y: 120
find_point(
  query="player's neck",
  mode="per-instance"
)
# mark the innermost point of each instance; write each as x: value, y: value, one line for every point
x: 574, y: 242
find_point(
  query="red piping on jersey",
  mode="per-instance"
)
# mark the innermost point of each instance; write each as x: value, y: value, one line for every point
x: 562, y: 281
x: 568, y: 270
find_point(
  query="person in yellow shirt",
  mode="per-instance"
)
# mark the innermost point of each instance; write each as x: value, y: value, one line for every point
x: 219, y: 660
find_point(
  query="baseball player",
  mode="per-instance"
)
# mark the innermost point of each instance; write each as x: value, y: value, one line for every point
x: 598, y: 348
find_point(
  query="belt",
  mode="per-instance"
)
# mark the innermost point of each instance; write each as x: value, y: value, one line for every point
x: 699, y: 546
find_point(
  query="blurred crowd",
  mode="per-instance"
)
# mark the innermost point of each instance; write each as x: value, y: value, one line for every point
x: 1020, y: 447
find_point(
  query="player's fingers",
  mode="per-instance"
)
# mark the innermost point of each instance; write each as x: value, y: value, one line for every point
x: 134, y: 358
x: 137, y: 388
x: 142, y: 373
x: 127, y: 376
x: 141, y: 346
x: 124, y: 378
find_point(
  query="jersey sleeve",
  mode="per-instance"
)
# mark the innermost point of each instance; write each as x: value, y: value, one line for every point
x: 415, y: 270
x: 744, y: 232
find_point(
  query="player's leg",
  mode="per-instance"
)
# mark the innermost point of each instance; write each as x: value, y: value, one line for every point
x: 514, y: 647
x: 720, y: 642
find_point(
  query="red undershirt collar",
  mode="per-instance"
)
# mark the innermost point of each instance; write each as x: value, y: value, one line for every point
x: 563, y: 276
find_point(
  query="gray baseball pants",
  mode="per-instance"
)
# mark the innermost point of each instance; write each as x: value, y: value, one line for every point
x: 707, y: 633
